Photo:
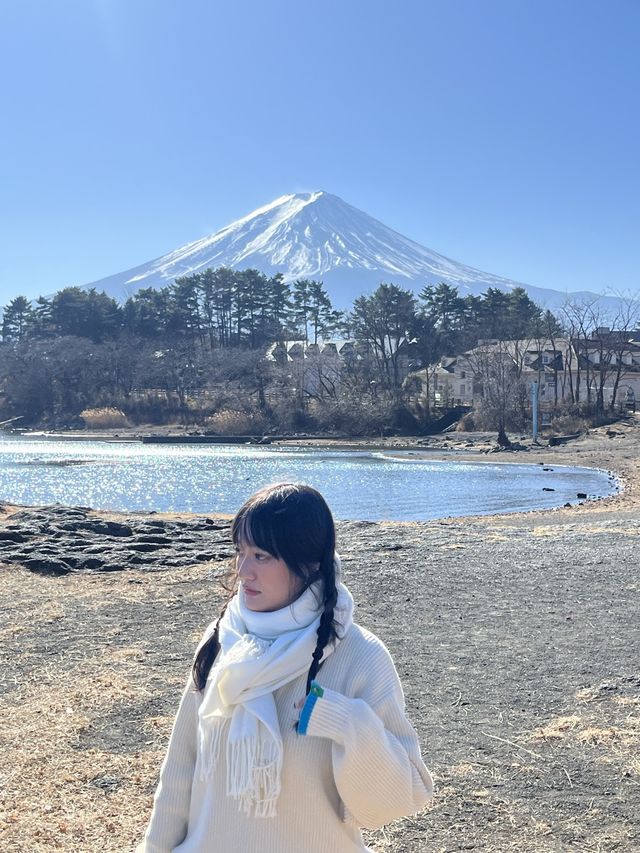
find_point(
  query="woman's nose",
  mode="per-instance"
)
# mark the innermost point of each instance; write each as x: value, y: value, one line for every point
x: 243, y: 567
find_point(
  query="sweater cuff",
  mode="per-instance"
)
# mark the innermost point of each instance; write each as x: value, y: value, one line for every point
x: 327, y: 715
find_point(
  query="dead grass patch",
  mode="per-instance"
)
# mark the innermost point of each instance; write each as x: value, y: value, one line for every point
x: 107, y: 417
x: 610, y: 725
x: 558, y: 728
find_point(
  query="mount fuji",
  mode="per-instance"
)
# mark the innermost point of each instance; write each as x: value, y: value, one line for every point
x: 318, y: 235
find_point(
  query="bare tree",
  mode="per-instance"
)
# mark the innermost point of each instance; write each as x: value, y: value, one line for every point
x: 497, y: 368
x: 578, y: 316
x: 614, y: 346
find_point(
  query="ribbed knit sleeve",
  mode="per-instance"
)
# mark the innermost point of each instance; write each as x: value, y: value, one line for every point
x: 378, y: 768
x: 170, y: 816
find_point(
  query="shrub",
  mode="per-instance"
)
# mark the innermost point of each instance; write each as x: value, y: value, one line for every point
x: 234, y: 422
x: 354, y: 415
x: 153, y: 407
x: 466, y: 423
x: 568, y: 423
x: 105, y: 418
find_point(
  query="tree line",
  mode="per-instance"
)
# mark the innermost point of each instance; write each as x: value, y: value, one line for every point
x: 225, y: 308
x: 205, y: 337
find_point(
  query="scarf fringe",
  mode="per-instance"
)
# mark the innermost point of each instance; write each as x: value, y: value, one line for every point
x: 253, y: 775
x: 210, y: 740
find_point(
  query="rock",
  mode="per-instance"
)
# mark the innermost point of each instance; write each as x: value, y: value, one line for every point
x: 108, y: 782
x: 89, y: 550
x: 59, y: 540
x: 11, y: 536
x: 153, y: 525
x: 115, y: 528
x: 89, y: 564
x: 137, y: 560
x: 179, y: 562
x: 582, y: 495
x: 46, y: 566
x: 547, y: 489
x: 145, y: 547
x: 95, y: 526
x: 155, y: 540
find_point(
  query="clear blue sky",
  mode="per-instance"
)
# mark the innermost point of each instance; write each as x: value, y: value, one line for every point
x: 502, y: 133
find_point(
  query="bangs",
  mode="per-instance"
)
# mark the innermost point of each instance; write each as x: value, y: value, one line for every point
x: 255, y: 527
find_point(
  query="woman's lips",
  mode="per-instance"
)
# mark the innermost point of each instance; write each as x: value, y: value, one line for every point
x: 248, y: 591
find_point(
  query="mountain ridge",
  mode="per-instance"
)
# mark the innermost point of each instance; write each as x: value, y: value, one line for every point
x: 318, y: 235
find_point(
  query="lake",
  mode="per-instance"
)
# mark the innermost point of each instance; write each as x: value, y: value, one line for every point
x: 358, y: 484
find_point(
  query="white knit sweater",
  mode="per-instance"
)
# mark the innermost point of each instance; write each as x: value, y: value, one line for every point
x: 359, y: 764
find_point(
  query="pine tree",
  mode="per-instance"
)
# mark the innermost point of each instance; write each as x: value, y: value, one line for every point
x: 383, y: 321
x: 445, y: 309
x: 17, y: 319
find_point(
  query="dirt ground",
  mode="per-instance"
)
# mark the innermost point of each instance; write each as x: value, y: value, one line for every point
x: 516, y: 638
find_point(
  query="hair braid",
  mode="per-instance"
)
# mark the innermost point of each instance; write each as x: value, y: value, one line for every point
x: 326, y: 628
x: 207, y: 654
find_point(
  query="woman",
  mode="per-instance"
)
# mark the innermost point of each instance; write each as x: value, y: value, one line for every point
x: 291, y: 733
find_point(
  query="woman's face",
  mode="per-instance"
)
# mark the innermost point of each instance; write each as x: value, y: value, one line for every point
x: 266, y: 583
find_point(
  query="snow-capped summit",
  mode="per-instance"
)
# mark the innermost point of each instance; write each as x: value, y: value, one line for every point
x: 315, y: 235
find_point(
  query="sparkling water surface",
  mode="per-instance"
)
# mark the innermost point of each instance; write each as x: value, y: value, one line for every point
x: 358, y: 484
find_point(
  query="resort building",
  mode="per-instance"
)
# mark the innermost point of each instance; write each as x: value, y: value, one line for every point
x: 603, y: 368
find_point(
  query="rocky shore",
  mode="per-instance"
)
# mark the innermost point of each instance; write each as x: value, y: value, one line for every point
x: 57, y: 540
x: 516, y: 638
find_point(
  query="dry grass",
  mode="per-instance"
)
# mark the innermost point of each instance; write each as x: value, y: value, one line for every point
x: 607, y: 722
x: 57, y: 797
x: 57, y: 792
x: 105, y: 418
x: 233, y: 422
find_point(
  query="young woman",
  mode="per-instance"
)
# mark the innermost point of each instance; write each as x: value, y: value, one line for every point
x: 291, y: 733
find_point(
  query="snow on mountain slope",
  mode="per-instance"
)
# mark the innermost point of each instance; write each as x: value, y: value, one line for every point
x: 316, y: 235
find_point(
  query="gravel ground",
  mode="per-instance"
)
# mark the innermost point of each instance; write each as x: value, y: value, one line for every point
x: 516, y: 638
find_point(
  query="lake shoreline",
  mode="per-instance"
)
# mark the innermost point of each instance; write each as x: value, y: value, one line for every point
x: 515, y: 636
x: 610, y: 450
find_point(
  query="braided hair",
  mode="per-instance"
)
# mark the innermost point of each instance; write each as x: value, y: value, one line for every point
x: 206, y: 655
x: 326, y: 628
x: 293, y: 522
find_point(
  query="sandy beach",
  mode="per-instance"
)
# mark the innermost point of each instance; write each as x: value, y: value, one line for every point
x: 516, y: 638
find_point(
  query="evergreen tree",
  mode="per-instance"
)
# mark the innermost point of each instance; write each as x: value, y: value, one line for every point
x: 17, y: 319
x: 276, y: 309
x: 302, y: 305
x: 524, y: 316
x: 323, y: 319
x: 84, y: 314
x: 495, y: 310
x: 250, y: 288
x: 184, y: 308
x: 42, y: 322
x: 147, y: 313
x: 445, y: 310
x: 383, y: 321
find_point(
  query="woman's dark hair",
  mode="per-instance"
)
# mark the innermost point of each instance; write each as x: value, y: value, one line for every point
x: 293, y: 522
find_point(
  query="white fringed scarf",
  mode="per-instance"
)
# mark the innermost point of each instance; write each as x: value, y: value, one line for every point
x: 259, y: 652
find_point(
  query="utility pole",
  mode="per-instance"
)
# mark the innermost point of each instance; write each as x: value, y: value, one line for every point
x: 534, y: 409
